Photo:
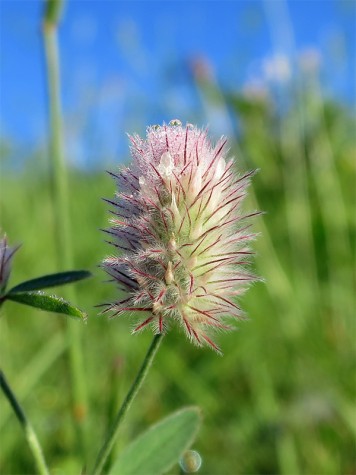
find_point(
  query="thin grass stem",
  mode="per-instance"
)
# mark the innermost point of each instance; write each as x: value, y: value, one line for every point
x: 30, y: 434
x: 295, y: 171
x: 60, y: 199
x: 35, y: 368
x: 136, y: 385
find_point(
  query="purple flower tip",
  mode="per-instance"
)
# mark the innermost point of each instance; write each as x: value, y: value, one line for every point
x: 6, y: 256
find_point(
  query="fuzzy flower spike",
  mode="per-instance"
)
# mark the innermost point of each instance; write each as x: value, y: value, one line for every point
x: 184, y: 241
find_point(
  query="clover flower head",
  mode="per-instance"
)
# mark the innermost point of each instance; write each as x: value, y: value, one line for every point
x: 6, y: 255
x: 182, y: 240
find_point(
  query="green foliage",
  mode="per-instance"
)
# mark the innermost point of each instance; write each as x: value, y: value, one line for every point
x: 24, y: 293
x: 50, y: 303
x: 51, y: 280
x: 160, y: 447
x: 281, y: 398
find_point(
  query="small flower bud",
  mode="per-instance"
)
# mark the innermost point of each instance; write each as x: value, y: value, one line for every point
x: 169, y: 276
x: 156, y: 308
x: 191, y: 461
x: 172, y: 245
x: 166, y: 165
x: 175, y: 123
x: 195, y: 185
x: 175, y: 211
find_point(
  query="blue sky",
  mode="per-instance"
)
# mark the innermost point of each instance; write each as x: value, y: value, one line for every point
x: 125, y: 63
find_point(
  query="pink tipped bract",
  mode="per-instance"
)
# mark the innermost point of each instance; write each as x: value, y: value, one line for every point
x: 181, y: 237
x: 6, y: 256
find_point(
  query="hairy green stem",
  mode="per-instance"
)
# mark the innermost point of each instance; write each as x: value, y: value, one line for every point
x: 59, y: 176
x: 30, y: 434
x: 61, y: 210
x: 136, y: 385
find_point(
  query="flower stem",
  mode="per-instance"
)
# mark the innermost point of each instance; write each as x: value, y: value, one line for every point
x: 136, y: 385
x: 61, y: 205
x: 30, y: 434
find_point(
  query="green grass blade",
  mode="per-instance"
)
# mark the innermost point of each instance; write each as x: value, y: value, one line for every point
x: 50, y: 303
x: 27, y: 378
x: 51, y: 280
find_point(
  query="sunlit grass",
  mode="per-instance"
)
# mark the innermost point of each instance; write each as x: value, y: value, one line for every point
x: 280, y: 400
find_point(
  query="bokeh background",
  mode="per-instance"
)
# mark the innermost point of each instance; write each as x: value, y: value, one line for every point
x: 276, y: 77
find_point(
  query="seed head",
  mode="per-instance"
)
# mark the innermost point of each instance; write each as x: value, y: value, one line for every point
x: 183, y: 239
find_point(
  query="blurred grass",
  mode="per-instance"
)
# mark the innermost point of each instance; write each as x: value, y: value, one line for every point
x: 281, y: 399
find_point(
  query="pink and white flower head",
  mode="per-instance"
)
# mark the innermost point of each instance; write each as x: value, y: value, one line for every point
x: 182, y: 237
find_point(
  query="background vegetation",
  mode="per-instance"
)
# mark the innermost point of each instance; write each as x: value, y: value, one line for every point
x: 281, y: 399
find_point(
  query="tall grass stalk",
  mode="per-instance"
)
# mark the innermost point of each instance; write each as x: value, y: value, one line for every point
x: 26, y: 379
x: 30, y: 434
x: 333, y: 210
x: 323, y: 174
x: 136, y: 385
x: 295, y: 173
x: 61, y: 211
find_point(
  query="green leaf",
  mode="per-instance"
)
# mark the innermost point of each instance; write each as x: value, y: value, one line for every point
x: 51, y: 280
x: 50, y: 303
x: 161, y: 446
